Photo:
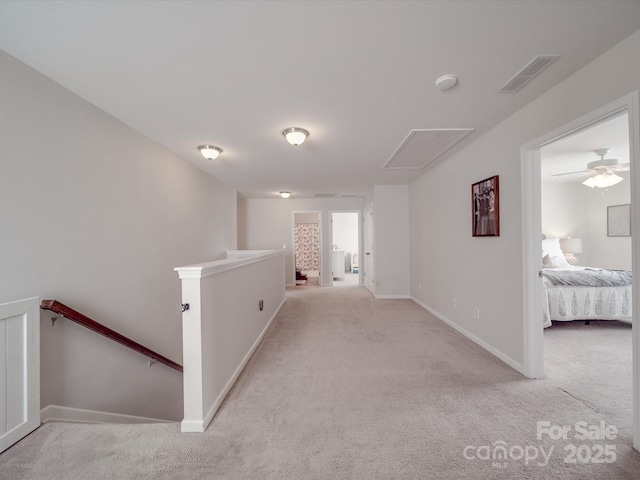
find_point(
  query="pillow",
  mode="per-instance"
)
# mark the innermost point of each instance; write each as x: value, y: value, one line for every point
x: 554, y: 262
x: 551, y: 248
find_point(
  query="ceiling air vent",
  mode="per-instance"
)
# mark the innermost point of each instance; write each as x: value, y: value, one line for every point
x: 533, y: 68
x: 325, y: 195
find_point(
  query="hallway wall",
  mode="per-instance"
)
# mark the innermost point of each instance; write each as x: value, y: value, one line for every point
x: 486, y: 272
x: 96, y: 215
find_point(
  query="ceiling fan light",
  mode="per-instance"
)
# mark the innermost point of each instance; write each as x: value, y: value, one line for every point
x: 603, y: 180
x: 209, y: 151
x: 295, y: 136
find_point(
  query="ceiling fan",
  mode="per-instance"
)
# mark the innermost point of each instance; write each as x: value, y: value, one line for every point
x: 601, y: 172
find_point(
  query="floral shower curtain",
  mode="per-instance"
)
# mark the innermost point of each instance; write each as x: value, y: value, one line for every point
x: 307, y: 243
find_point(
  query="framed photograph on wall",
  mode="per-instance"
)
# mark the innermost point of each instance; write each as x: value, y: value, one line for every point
x: 485, y: 208
x: 619, y: 221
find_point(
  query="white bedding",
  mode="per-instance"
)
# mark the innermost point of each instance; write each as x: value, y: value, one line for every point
x: 566, y: 303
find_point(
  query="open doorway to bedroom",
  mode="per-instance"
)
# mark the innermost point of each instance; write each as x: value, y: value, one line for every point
x: 623, y: 401
x: 586, y: 265
x: 345, y: 248
x: 307, y: 248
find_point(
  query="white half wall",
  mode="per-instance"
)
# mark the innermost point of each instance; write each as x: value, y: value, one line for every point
x: 486, y: 272
x: 96, y: 216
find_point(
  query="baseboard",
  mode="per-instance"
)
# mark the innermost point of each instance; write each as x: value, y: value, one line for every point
x: 196, y: 426
x: 518, y: 367
x: 391, y: 297
x: 57, y: 413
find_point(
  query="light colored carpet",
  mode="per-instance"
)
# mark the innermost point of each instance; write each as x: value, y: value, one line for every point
x: 347, y: 387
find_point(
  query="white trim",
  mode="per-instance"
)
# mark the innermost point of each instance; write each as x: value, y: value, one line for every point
x: 532, y: 263
x: 360, y: 239
x: 531, y: 232
x: 197, y: 426
x: 518, y: 367
x: 58, y: 413
x: 634, y: 153
x: 391, y: 297
x: 235, y: 259
x: 20, y: 364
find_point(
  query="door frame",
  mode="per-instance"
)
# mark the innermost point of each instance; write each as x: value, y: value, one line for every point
x: 368, y: 210
x: 360, y: 219
x: 532, y: 235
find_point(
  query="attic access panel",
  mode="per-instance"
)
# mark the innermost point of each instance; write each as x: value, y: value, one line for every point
x: 423, y: 146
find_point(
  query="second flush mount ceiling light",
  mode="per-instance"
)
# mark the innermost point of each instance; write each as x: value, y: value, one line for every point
x: 209, y: 151
x: 295, y: 135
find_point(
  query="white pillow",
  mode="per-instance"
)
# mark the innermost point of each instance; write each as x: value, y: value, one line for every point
x: 551, y: 248
x: 554, y: 262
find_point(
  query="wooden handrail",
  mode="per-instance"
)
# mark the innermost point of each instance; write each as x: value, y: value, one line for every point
x: 85, y: 321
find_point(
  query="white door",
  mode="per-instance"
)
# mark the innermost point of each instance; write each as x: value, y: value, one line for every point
x: 369, y: 279
x: 19, y: 370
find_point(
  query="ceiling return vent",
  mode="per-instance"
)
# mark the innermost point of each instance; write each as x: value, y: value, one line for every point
x: 421, y: 147
x: 533, y: 68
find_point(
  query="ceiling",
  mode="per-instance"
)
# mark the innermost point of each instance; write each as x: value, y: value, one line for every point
x: 358, y: 75
x: 572, y: 153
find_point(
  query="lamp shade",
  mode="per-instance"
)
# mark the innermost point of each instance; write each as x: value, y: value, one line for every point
x: 603, y: 180
x: 209, y: 151
x: 295, y: 136
x: 285, y: 194
x: 571, y: 245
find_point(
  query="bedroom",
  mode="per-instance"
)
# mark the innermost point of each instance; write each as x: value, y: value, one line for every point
x: 593, y: 356
x: 579, y: 216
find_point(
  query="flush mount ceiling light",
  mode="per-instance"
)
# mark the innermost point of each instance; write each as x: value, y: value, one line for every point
x: 446, y: 82
x: 285, y: 194
x: 209, y: 151
x: 295, y: 136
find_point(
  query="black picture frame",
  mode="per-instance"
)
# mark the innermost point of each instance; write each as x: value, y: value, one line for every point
x: 485, y: 207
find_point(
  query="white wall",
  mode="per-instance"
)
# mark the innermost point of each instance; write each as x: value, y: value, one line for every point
x: 573, y: 210
x: 96, y: 216
x: 486, y: 272
x: 267, y: 224
x: 564, y: 214
x: 604, y: 251
x: 391, y: 240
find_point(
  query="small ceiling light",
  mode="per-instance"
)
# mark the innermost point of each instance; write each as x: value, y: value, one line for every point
x: 446, y: 82
x: 285, y: 194
x: 295, y: 136
x: 209, y: 151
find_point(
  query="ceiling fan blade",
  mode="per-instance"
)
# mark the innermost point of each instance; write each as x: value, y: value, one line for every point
x: 572, y: 173
x: 621, y: 167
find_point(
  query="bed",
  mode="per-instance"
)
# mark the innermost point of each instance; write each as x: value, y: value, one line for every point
x: 582, y: 293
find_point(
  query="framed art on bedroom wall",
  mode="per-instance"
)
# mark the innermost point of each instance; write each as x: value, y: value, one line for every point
x: 619, y: 221
x: 485, y: 208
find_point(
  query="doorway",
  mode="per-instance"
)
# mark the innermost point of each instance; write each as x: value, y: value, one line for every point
x: 307, y: 254
x: 345, y: 248
x: 532, y: 235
